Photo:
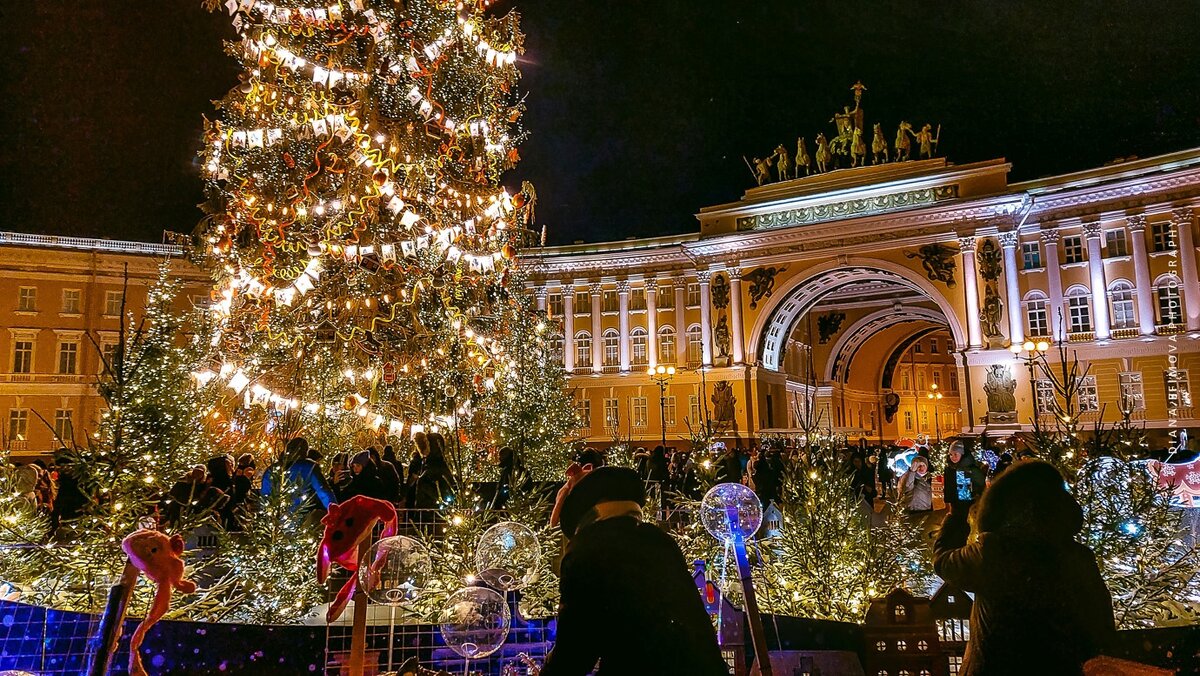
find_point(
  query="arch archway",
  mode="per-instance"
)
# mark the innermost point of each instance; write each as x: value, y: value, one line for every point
x: 799, y: 294
x: 861, y: 331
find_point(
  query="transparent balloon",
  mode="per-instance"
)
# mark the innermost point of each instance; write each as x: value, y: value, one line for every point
x: 508, y: 556
x: 729, y: 509
x: 394, y: 570
x: 474, y: 622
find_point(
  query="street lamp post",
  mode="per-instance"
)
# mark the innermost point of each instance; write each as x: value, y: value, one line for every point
x: 662, y: 376
x: 936, y: 397
x: 1030, y: 352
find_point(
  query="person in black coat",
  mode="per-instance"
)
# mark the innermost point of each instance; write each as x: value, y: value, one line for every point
x: 364, y: 478
x: 964, y: 478
x: 1041, y: 606
x: 433, y: 484
x: 627, y: 599
x: 389, y: 476
x: 729, y: 466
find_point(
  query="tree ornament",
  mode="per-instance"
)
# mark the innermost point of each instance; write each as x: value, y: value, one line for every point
x: 518, y: 200
x: 380, y: 177
x: 352, y: 402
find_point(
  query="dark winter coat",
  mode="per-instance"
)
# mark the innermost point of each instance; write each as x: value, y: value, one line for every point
x: 1041, y: 606
x: 729, y: 468
x: 973, y: 472
x: 389, y: 480
x: 628, y: 601
x: 433, y: 484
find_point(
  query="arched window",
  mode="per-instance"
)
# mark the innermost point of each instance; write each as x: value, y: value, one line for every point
x: 1079, y: 311
x: 695, y: 345
x: 1170, y: 304
x: 612, y: 348
x: 1120, y: 296
x: 583, y: 349
x: 554, y: 348
x: 666, y: 345
x: 640, y: 346
x: 1037, y: 318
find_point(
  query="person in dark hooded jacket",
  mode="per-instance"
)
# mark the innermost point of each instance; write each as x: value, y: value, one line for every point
x: 1041, y: 606
x: 964, y: 477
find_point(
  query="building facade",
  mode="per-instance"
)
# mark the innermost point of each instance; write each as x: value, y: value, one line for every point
x: 881, y: 302
x: 62, y: 304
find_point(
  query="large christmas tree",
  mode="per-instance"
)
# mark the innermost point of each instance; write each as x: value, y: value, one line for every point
x: 361, y: 245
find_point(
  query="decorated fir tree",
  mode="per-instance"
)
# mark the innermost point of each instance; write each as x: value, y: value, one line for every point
x: 362, y: 246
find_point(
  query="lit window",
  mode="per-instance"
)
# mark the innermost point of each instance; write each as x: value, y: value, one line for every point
x: 640, y: 346
x: 638, y: 410
x: 18, y: 424
x: 922, y: 645
x: 112, y: 303
x: 71, y: 301
x: 955, y: 665
x: 901, y: 645
x: 1116, y: 243
x: 666, y: 345
x: 881, y: 646
x: 1073, y: 248
x: 27, y: 299
x: 583, y: 411
x: 1031, y: 254
x: 1121, y: 296
x: 1132, y: 398
x: 555, y: 349
x: 1087, y: 396
x: 1046, y: 402
x: 612, y: 414
x: 1179, y: 392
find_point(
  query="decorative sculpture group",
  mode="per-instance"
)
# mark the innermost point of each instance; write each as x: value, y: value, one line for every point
x: 847, y: 149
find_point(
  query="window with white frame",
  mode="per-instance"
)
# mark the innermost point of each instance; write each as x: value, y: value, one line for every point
x: 555, y: 348
x: 1079, y: 311
x: 1179, y: 391
x: 583, y: 412
x: 640, y: 346
x: 1163, y: 236
x: 18, y: 424
x: 64, y: 429
x: 694, y: 409
x: 666, y: 298
x: 1087, y: 397
x: 1073, y: 249
x: 1116, y: 243
x: 612, y: 348
x: 905, y: 380
x: 583, y: 349
x: 908, y: 421
x: 1031, y: 255
x: 669, y: 411
x: 1046, y: 401
x: 612, y: 414
x: 72, y: 301
x: 68, y: 357
x: 554, y: 303
x: 1130, y: 383
x: 954, y: 666
x: 638, y: 410
x: 1037, y: 321
x: 610, y: 301
x: 27, y: 299
x: 637, y: 299
x: 666, y: 345
x: 1120, y: 296
x: 22, y: 355
x: 112, y: 303
x: 695, y: 345
x: 109, y: 350
x: 1170, y: 310
x: 693, y: 294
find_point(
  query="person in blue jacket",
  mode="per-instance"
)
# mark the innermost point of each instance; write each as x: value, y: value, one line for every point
x: 301, y: 469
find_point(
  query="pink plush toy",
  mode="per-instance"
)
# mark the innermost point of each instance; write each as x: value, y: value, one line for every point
x: 158, y: 556
x: 347, y: 525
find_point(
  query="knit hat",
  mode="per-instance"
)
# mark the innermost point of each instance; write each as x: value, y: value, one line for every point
x: 604, y: 484
x: 362, y: 458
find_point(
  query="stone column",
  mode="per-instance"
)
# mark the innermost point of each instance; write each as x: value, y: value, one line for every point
x: 735, y: 315
x: 541, y: 292
x: 623, y: 322
x: 681, y: 342
x: 1092, y: 232
x: 1183, y: 219
x: 966, y: 245
x: 1012, y: 286
x: 568, y: 292
x: 705, y: 278
x: 651, y: 291
x: 1141, y: 274
x: 597, y: 290
x: 1053, y: 284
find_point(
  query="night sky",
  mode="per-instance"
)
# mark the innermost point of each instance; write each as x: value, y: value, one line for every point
x: 639, y: 112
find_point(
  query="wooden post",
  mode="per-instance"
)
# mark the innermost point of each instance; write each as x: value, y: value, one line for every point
x: 358, y: 637
x: 112, y: 620
x: 758, y: 637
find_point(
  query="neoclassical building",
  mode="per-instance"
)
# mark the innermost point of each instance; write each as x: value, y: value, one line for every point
x: 882, y: 301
